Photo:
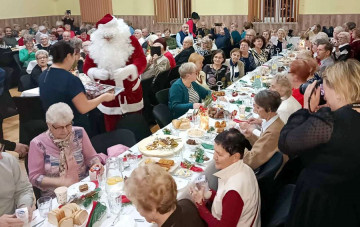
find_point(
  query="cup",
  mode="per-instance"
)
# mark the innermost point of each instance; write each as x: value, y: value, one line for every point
x: 61, y: 195
x: 115, y: 202
x: 44, y: 205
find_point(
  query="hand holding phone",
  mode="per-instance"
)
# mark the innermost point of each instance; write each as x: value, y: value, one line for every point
x: 155, y: 50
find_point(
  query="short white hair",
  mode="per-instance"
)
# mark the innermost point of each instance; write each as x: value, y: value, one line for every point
x: 42, y: 27
x: 152, y: 38
x: 44, y: 36
x: 59, y: 113
x: 188, y: 39
x: 41, y: 52
x: 346, y: 35
x: 339, y: 29
x: 187, y: 68
x: 138, y: 30
x: 59, y: 23
x: 322, y: 35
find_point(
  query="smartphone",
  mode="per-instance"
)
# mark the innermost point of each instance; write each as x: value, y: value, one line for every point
x: 218, y: 24
x: 68, y: 11
x: 155, y: 50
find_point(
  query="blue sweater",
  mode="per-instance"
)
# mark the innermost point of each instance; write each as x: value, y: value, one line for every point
x: 179, y: 97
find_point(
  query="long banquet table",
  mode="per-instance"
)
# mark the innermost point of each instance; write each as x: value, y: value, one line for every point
x: 129, y: 215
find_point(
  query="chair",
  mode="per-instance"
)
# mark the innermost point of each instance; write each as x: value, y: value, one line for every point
x: 266, y: 180
x: 25, y: 83
x: 21, y: 69
x: 162, y: 115
x: 162, y: 96
x: 279, y: 212
x: 37, y: 191
x: 103, y: 141
x: 209, y: 173
x: 29, y: 109
x: 149, y: 99
x: 174, y: 74
x: 135, y: 123
x: 7, y: 106
x: 171, y: 82
x: 159, y: 82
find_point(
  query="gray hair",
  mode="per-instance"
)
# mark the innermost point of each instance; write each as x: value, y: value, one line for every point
x: 41, y: 52
x: 251, y: 30
x: 339, y: 29
x: 188, y: 39
x: 76, y: 43
x: 44, y: 36
x: 284, y: 82
x: 59, y: 23
x: 138, y: 30
x: 152, y: 38
x: 42, y: 27
x: 269, y: 100
x: 59, y: 113
x: 187, y: 68
x: 322, y: 35
x: 346, y: 34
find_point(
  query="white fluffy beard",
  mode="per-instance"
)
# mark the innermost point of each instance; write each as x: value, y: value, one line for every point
x: 113, y: 54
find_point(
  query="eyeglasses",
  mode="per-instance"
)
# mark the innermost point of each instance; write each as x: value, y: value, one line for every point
x: 63, y: 127
x: 40, y: 58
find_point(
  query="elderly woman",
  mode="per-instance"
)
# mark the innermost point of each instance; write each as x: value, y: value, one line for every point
x: 279, y: 42
x: 28, y: 53
x: 138, y: 35
x: 217, y: 72
x: 205, y: 46
x: 185, y: 93
x: 237, y: 200
x: 167, y: 54
x: 197, y: 59
x: 57, y: 84
x: 63, y: 154
x: 337, y: 30
x: 327, y: 144
x: 258, y: 50
x: 156, y: 201
x: 83, y: 35
x: 289, y: 104
x: 42, y: 58
x: 246, y: 56
x: 264, y: 141
x: 300, y: 71
x: 170, y: 41
x: 342, y: 50
x: 44, y: 43
x: 236, y: 66
x: 156, y: 63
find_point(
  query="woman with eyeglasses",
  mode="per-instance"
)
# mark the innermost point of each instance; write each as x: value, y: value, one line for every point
x: 63, y: 154
x: 57, y: 84
x: 42, y: 57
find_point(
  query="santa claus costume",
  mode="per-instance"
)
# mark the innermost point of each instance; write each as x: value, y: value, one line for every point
x: 116, y: 58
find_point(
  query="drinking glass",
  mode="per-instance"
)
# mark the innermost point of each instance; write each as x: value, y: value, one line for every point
x: 114, y: 178
x: 115, y: 203
x: 44, y: 205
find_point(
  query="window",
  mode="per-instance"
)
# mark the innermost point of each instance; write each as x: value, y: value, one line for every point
x: 273, y: 11
x: 172, y: 11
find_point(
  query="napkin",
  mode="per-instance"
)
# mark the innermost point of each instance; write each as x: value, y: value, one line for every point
x: 124, y: 199
x: 116, y: 150
x: 208, y: 146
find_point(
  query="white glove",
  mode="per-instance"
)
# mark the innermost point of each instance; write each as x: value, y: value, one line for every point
x: 128, y: 72
x: 100, y: 74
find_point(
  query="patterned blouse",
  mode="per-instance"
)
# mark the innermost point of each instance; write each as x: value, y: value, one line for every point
x: 213, y: 76
x: 260, y: 58
x: 44, y: 158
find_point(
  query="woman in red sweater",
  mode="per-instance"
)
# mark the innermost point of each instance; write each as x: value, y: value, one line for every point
x: 300, y: 71
x: 237, y: 199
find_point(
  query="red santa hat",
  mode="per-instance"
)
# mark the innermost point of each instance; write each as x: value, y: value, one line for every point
x: 106, y: 19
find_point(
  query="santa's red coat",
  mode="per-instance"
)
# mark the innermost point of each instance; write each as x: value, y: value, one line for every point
x: 131, y: 99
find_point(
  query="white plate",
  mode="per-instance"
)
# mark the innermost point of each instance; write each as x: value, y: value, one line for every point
x: 176, y: 164
x: 74, y: 189
x: 180, y: 183
x: 159, y: 153
x: 187, y: 155
x: 196, y: 136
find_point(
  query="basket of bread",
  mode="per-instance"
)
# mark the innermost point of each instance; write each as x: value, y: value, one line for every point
x: 181, y: 124
x: 68, y: 216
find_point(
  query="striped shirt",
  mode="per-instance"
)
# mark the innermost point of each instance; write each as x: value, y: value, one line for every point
x: 193, y: 95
